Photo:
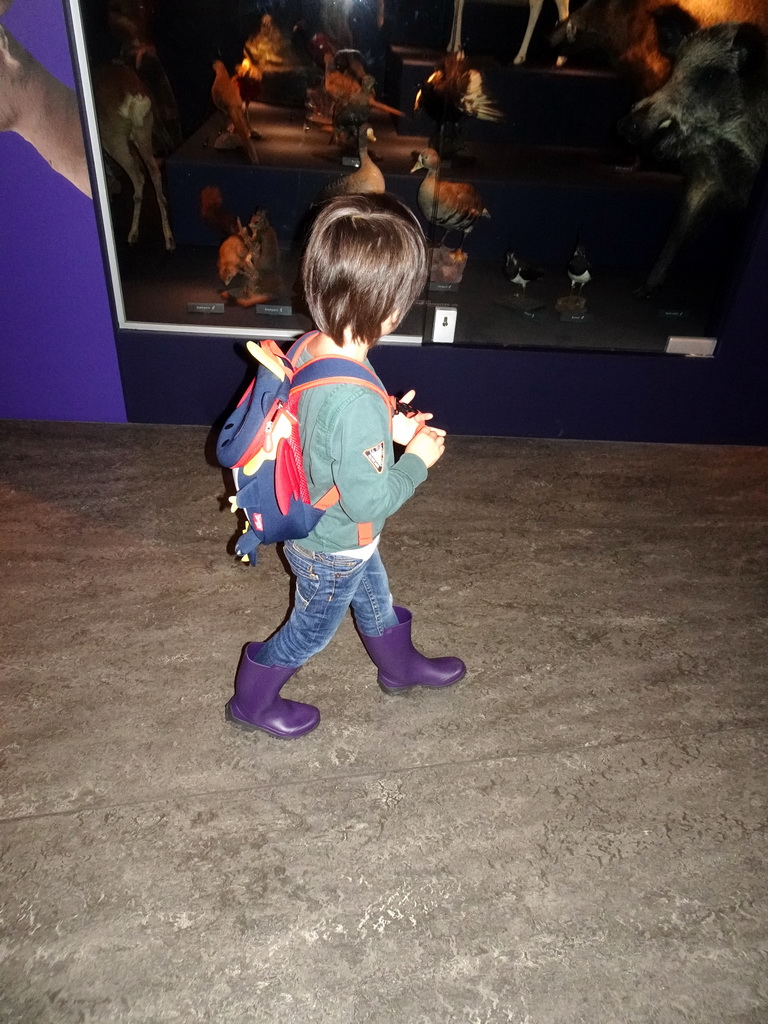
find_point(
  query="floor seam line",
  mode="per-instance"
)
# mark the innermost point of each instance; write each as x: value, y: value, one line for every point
x: 410, y: 769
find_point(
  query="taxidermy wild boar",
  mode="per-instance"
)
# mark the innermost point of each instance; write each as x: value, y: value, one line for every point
x: 711, y: 118
x: 625, y: 32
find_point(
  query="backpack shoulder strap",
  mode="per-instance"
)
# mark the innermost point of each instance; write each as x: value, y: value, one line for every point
x: 335, y: 370
x: 299, y: 345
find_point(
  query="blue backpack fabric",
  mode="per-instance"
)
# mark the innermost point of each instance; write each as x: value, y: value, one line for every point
x: 260, y: 443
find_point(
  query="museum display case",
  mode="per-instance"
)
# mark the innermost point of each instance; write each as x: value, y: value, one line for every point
x: 545, y: 199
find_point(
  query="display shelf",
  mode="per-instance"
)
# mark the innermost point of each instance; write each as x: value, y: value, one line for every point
x: 540, y: 198
x: 542, y: 106
x: 160, y: 289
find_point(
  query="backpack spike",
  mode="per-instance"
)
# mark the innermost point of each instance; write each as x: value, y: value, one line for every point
x: 267, y: 359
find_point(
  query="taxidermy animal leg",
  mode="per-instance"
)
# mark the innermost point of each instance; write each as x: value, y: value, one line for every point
x: 562, y: 14
x: 42, y: 110
x: 125, y: 126
x: 690, y: 216
x: 534, y: 10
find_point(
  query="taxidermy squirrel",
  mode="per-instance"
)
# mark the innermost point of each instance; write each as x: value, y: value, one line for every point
x: 249, y: 252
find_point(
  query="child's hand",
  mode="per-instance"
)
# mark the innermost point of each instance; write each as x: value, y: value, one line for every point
x: 428, y: 444
x: 405, y: 427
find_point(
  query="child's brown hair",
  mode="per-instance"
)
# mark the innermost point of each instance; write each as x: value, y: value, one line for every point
x: 365, y: 260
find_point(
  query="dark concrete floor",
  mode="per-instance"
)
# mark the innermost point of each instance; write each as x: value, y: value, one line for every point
x: 575, y: 834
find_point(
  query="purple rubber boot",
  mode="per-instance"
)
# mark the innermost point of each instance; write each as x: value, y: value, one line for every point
x: 257, y: 703
x: 401, y: 666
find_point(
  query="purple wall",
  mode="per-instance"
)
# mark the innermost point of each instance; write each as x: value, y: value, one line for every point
x: 57, y: 345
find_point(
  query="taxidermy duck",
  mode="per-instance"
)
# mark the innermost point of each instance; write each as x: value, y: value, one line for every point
x: 367, y: 178
x: 455, y: 90
x: 453, y: 205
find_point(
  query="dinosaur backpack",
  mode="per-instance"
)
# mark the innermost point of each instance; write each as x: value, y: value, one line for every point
x: 260, y: 443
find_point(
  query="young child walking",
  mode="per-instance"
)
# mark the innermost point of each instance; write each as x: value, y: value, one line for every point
x: 364, y: 265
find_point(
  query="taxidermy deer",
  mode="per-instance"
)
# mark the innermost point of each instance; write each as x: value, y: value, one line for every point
x: 534, y: 10
x: 124, y: 110
x: 41, y: 109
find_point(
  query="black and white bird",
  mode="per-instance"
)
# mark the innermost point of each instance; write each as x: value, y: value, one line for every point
x: 519, y: 272
x: 579, y: 268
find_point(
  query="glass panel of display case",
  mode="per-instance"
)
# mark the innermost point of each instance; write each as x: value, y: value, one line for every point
x: 570, y: 168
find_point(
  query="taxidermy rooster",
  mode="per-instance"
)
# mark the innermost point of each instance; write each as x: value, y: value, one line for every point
x: 225, y: 93
x: 453, y: 205
x: 455, y: 90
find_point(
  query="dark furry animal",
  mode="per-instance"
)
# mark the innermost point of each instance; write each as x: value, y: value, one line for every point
x: 625, y: 32
x: 710, y: 119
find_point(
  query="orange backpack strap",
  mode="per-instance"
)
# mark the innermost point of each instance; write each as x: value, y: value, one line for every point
x: 335, y: 370
x: 331, y: 497
x: 364, y: 534
x: 296, y: 349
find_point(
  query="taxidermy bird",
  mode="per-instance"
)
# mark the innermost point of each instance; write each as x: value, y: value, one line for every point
x: 454, y: 89
x: 579, y: 268
x: 520, y: 273
x: 351, y: 113
x: 367, y: 178
x: 343, y: 81
x: 350, y: 62
x: 268, y: 48
x: 314, y: 47
x: 225, y: 93
x: 453, y: 205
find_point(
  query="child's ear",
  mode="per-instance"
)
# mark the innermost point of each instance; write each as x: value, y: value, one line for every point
x: 391, y: 322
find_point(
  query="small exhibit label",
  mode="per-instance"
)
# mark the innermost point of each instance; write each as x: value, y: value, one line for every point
x: 576, y: 318
x: 674, y: 314
x: 274, y: 310
x: 205, y: 307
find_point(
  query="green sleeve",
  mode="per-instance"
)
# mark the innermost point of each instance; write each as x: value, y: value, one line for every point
x: 371, y: 485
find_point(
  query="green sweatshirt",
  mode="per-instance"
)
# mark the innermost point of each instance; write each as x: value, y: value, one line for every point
x: 346, y: 439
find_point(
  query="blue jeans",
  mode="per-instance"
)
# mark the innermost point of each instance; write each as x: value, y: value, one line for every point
x: 326, y: 586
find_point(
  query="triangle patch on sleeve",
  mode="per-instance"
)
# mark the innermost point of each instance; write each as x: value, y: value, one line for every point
x: 375, y: 456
